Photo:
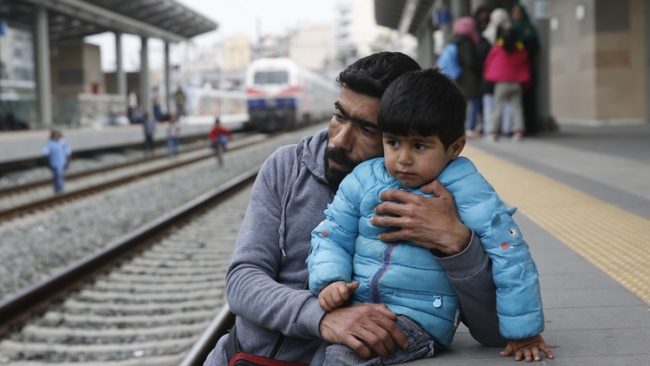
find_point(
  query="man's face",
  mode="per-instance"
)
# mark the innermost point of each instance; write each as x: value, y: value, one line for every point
x: 416, y: 160
x: 353, y: 135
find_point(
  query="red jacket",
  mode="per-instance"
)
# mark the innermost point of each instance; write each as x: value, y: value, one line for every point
x: 501, y: 66
x: 218, y: 131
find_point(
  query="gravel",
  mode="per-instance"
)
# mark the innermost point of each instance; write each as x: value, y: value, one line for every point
x: 34, y: 247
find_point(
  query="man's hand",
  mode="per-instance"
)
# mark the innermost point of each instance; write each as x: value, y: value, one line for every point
x: 432, y: 223
x: 527, y: 348
x: 336, y: 294
x: 373, y: 324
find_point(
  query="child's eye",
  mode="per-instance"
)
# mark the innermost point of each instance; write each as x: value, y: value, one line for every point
x: 392, y: 143
x: 419, y: 147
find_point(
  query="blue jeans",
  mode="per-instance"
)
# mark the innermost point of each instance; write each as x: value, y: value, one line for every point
x: 172, y: 146
x: 421, y: 345
x: 58, y: 178
x: 474, y: 105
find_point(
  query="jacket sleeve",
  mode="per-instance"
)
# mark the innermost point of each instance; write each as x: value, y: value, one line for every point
x: 519, y: 302
x: 332, y: 241
x: 470, y: 273
x: 47, y: 150
x: 251, y: 280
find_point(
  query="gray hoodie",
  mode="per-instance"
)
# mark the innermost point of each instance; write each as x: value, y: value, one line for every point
x: 266, y: 282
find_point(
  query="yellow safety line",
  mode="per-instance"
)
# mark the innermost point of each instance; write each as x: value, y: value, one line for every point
x: 613, y: 239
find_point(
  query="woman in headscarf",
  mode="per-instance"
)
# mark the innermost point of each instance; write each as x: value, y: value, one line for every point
x: 466, y: 38
x: 499, y: 19
x: 528, y: 36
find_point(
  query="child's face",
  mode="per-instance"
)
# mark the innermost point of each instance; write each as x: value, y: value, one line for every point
x: 416, y: 160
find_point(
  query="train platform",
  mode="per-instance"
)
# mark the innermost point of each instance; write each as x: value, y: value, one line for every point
x: 26, y: 145
x: 583, y: 198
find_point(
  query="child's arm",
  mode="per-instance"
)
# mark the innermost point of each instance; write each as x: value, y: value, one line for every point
x: 336, y: 294
x: 332, y: 241
x: 527, y: 348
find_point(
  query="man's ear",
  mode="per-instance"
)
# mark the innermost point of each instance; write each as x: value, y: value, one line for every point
x: 457, y: 147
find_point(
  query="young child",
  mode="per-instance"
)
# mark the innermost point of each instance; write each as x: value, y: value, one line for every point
x: 508, y: 66
x: 173, y: 135
x: 219, y: 137
x: 422, y: 116
x: 58, y: 152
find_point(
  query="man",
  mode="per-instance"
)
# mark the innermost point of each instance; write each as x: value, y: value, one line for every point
x: 266, y: 283
x: 180, y: 99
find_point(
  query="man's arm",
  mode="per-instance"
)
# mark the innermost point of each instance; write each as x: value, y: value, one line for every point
x: 251, y: 286
x: 434, y: 223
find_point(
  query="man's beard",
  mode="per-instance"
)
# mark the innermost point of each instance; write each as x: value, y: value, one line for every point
x: 334, y: 176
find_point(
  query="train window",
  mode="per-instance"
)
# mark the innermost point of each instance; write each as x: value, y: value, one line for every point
x: 271, y: 77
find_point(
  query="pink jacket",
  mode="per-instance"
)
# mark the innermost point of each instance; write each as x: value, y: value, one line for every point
x: 501, y: 66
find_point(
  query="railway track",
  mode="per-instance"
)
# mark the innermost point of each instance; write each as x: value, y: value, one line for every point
x: 23, y: 200
x: 161, y: 300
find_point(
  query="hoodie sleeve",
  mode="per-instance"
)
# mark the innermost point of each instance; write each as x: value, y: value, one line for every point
x: 252, y: 286
x: 332, y: 241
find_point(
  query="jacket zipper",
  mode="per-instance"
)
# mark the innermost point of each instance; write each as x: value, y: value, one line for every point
x: 375, y: 297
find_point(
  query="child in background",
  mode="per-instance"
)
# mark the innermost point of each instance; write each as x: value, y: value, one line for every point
x: 173, y: 135
x: 219, y: 137
x: 59, y: 152
x: 422, y: 116
x: 508, y: 66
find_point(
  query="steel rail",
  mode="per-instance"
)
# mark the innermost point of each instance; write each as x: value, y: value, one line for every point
x: 86, y: 173
x: 35, y: 298
x: 20, y: 210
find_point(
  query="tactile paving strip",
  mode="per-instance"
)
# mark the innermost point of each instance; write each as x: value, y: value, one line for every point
x: 612, y: 239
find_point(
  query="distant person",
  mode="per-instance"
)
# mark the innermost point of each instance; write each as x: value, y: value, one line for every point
x: 132, y: 100
x: 59, y: 152
x: 181, y: 100
x: 173, y: 135
x: 482, y: 18
x: 138, y: 115
x: 527, y: 34
x: 422, y: 118
x: 466, y: 38
x: 219, y: 137
x: 499, y: 20
x: 508, y: 66
x: 149, y: 127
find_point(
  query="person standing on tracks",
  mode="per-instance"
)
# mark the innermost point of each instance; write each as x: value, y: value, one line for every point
x: 278, y: 318
x: 219, y: 137
x: 422, y: 118
x: 149, y: 127
x: 173, y: 135
x: 58, y: 152
x: 180, y: 99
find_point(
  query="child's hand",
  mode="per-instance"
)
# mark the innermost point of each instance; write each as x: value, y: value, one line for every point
x: 336, y: 294
x: 527, y: 348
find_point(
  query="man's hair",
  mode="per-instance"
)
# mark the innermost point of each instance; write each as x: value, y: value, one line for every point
x: 426, y: 103
x: 371, y: 75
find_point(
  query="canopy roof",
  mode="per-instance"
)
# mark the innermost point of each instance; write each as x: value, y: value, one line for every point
x: 407, y: 16
x: 164, y: 19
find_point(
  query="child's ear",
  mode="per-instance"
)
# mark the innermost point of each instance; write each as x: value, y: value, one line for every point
x: 457, y: 147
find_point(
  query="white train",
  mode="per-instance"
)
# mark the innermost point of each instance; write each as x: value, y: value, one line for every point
x: 204, y: 104
x: 282, y: 95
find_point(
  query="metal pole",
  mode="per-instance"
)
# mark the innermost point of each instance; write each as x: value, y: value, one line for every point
x: 167, y: 81
x: 120, y: 77
x: 145, y: 100
x: 44, y: 84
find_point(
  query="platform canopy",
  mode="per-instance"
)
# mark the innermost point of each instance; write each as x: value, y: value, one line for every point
x: 406, y: 16
x: 163, y: 19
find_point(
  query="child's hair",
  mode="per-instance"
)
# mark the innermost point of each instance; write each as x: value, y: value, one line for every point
x: 509, y: 37
x: 424, y: 102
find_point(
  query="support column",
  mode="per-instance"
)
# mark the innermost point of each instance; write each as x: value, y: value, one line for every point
x: 425, y: 46
x: 120, y: 77
x: 43, y: 77
x: 459, y: 8
x: 538, y: 12
x: 145, y: 98
x: 167, y: 93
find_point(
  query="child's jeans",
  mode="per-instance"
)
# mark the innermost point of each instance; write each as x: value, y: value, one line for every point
x: 172, y: 146
x: 421, y: 345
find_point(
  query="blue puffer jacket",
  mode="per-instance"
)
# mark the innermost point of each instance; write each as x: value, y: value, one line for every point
x: 406, y: 277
